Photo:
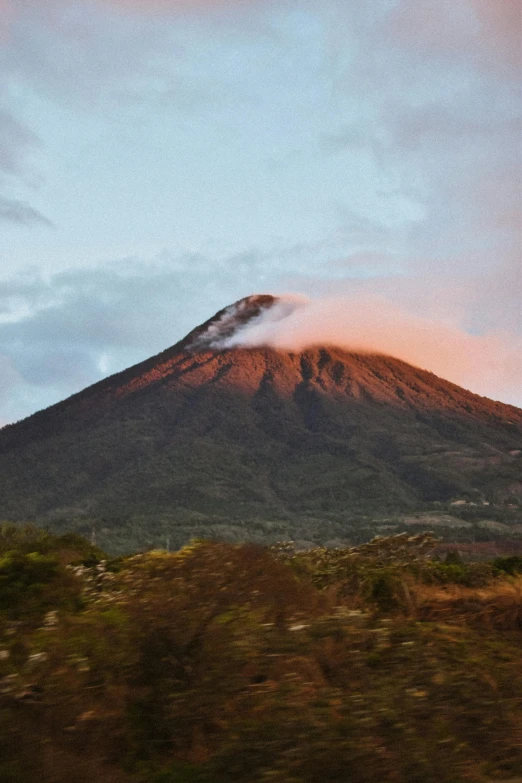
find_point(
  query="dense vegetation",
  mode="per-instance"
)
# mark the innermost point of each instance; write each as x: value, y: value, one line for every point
x: 226, y: 663
x: 265, y: 445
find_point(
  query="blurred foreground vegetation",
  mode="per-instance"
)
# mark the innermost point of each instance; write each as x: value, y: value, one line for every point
x: 225, y: 663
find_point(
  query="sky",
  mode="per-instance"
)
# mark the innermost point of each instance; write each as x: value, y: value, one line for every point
x: 160, y: 159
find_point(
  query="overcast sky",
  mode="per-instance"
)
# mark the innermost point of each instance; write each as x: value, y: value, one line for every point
x: 161, y: 158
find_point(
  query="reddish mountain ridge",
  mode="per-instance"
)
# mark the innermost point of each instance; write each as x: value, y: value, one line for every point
x: 203, y: 437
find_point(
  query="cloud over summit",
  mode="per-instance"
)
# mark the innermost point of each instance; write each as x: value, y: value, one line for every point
x: 489, y: 364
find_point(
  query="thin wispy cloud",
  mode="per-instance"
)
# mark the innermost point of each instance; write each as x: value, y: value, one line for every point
x: 14, y: 211
x: 16, y: 144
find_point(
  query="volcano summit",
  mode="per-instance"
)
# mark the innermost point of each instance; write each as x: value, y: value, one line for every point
x: 211, y: 438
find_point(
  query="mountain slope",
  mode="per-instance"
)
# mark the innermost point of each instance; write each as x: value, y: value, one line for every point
x: 203, y: 436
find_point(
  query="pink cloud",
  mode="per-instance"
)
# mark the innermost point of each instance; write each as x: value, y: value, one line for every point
x: 486, y: 30
x: 488, y: 364
x: 501, y: 26
x: 6, y: 11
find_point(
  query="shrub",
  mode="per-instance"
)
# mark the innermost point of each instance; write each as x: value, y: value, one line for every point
x: 465, y: 574
x: 32, y: 583
x: 509, y: 565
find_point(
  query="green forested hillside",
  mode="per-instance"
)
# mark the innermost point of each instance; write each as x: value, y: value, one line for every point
x: 262, y: 445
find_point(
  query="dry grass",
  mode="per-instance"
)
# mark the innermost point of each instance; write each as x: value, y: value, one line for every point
x: 496, y: 607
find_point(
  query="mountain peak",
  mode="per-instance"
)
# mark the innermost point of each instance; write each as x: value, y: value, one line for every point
x: 225, y: 429
x: 243, y: 323
x: 225, y: 325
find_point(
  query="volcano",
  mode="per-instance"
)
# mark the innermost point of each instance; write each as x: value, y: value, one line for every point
x: 212, y: 439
